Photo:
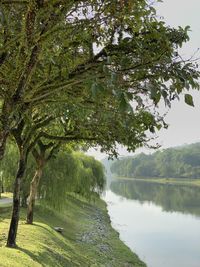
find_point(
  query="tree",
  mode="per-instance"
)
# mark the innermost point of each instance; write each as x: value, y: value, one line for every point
x: 41, y: 155
x: 70, y: 172
x: 55, y: 62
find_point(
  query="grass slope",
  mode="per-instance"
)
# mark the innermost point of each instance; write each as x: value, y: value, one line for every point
x: 87, y: 240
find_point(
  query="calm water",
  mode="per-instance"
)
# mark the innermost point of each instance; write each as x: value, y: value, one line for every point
x: 161, y: 223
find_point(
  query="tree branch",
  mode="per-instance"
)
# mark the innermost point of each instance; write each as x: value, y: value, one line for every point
x: 66, y: 138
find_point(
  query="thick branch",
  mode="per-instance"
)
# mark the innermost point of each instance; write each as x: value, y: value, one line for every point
x: 8, y: 2
x: 37, y: 126
x: 53, y: 150
x: 67, y: 138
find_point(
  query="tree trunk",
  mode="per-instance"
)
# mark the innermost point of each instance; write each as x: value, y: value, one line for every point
x: 24, y: 200
x: 2, y: 185
x: 32, y: 194
x: 3, y: 139
x: 11, y: 241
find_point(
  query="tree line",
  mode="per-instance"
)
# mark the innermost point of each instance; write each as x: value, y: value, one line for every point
x: 179, y: 162
x: 84, y: 72
x: 68, y: 171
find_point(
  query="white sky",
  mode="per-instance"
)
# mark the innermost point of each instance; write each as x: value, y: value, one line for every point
x: 184, y: 121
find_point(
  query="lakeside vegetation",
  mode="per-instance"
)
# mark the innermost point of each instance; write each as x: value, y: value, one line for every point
x: 87, y: 239
x: 180, y: 162
x: 67, y: 171
x: 68, y: 197
x: 175, y: 181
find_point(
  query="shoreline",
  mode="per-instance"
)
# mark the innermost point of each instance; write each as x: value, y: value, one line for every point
x: 175, y: 181
x: 88, y: 239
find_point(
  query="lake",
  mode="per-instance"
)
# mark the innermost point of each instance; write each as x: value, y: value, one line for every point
x: 159, y: 222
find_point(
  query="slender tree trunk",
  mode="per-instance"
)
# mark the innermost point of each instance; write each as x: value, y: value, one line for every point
x: 4, y: 133
x: 32, y: 195
x: 3, y: 139
x: 2, y: 185
x: 41, y: 159
x: 11, y: 241
x: 24, y: 200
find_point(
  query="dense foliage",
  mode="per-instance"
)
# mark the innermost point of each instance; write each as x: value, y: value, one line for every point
x: 104, y: 59
x: 67, y: 172
x: 180, y: 162
x: 71, y: 172
x: 8, y: 168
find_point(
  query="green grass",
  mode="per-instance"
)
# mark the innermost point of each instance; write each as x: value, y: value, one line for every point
x: 5, y: 205
x: 87, y: 240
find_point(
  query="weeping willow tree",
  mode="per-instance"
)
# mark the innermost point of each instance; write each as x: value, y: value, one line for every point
x: 91, y: 176
x: 70, y: 172
x: 66, y: 171
x: 8, y: 168
x: 86, y: 174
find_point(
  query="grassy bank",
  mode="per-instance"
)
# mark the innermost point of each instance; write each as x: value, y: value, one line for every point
x: 87, y: 240
x: 183, y: 181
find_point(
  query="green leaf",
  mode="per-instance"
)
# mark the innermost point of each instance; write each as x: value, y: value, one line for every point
x: 124, y: 103
x: 164, y: 94
x: 105, y: 69
x: 108, y: 60
x: 152, y: 129
x: 159, y: 126
x: 94, y: 89
x: 189, y: 100
x: 153, y: 92
x: 113, y: 77
x: 97, y: 88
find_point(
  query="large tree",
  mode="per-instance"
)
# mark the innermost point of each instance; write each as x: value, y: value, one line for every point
x: 55, y: 51
x: 107, y: 62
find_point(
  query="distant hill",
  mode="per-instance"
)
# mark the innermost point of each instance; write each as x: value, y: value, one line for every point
x: 177, y: 162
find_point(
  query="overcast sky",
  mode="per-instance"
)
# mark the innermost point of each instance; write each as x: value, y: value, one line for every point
x: 184, y: 121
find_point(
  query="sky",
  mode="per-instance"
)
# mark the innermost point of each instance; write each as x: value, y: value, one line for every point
x: 183, y: 120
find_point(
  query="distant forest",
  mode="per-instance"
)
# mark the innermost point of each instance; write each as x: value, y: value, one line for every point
x: 178, y: 162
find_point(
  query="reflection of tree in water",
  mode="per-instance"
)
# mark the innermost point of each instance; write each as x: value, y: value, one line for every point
x: 185, y: 199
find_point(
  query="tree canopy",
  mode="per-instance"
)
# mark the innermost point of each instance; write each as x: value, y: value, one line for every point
x: 114, y: 53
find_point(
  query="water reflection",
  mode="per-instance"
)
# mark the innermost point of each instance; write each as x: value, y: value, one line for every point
x: 157, y: 221
x: 179, y: 198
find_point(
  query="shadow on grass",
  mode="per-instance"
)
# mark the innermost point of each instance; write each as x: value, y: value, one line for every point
x: 52, y: 248
x: 48, y: 256
x: 5, y: 213
x: 57, y: 237
x: 55, y: 220
x: 56, y: 250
